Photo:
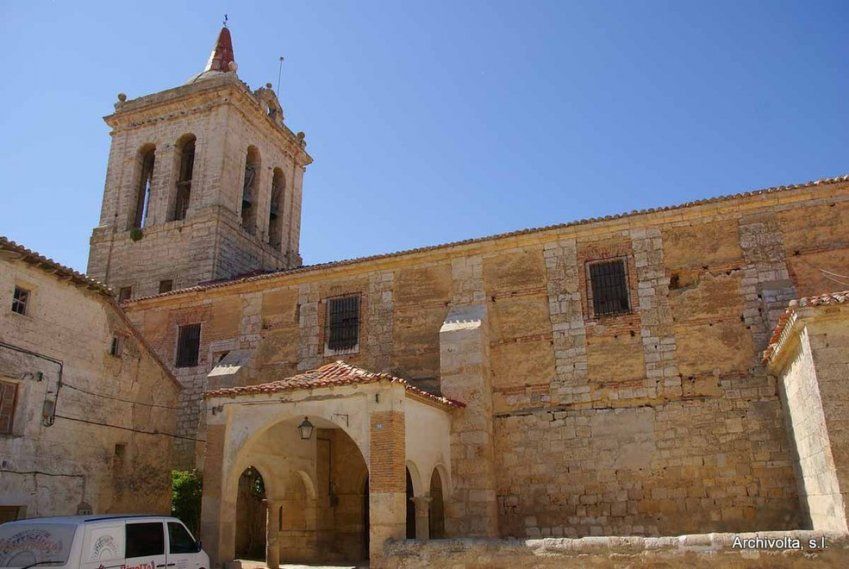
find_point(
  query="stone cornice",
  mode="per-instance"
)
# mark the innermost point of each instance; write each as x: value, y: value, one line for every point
x: 196, y: 98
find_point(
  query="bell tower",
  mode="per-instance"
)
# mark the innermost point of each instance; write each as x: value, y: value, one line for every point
x: 204, y: 183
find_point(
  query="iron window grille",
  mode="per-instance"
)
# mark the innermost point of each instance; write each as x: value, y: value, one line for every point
x: 609, y: 287
x: 188, y: 345
x: 343, y: 323
x: 20, y: 300
x: 166, y: 285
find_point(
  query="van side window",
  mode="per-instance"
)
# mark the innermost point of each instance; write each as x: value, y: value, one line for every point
x: 144, y: 540
x: 179, y: 539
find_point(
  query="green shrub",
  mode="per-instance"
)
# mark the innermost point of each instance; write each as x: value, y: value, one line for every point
x: 186, y: 489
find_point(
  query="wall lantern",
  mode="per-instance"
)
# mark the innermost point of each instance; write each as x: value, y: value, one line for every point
x: 306, y: 429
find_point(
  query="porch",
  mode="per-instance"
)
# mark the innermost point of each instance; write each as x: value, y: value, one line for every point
x: 323, y: 467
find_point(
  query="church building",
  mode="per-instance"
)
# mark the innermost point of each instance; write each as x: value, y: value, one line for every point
x: 601, y: 377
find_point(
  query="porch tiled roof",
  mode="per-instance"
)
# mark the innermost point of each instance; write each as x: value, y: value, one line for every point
x: 333, y: 374
x: 827, y: 299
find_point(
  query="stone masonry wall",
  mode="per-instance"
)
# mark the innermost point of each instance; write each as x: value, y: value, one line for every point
x: 656, y: 421
x: 829, y: 341
x: 753, y: 550
x: 210, y: 243
x: 819, y: 489
x: 811, y: 363
x: 108, y: 448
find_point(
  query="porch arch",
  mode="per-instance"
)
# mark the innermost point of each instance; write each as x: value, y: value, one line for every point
x: 313, y: 509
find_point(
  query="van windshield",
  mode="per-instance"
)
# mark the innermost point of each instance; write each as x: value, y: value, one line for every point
x: 39, y: 544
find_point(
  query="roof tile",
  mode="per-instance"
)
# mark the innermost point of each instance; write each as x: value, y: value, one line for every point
x: 331, y: 375
x: 321, y: 266
x: 827, y: 299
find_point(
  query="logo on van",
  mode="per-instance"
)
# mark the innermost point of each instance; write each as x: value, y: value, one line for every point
x: 31, y: 539
x: 104, y: 548
x: 151, y: 565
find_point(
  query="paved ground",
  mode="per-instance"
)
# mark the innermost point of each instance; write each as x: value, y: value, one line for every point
x: 246, y: 564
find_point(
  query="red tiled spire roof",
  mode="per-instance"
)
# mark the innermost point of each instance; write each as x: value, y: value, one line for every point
x: 333, y: 374
x: 222, y: 54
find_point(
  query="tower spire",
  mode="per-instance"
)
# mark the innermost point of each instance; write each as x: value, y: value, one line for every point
x: 222, y: 58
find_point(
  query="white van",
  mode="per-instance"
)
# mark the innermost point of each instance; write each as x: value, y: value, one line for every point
x: 100, y: 542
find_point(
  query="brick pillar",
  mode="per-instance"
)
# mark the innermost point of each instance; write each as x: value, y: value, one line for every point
x: 471, y: 509
x: 387, y: 481
x: 218, y: 510
x: 422, y: 517
x: 272, y: 534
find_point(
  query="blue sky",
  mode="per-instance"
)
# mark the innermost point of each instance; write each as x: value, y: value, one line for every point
x: 441, y: 120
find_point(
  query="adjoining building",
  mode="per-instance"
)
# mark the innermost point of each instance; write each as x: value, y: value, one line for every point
x: 597, y: 378
x: 87, y: 409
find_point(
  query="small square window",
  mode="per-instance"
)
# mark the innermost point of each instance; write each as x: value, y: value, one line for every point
x: 188, y: 345
x: 166, y: 286
x: 608, y: 287
x: 125, y: 293
x: 20, y: 300
x: 8, y: 396
x: 343, y: 323
x: 117, y: 347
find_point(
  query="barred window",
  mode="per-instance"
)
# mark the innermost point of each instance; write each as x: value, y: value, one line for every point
x: 343, y: 323
x: 609, y: 287
x: 20, y: 300
x: 166, y: 285
x: 188, y: 345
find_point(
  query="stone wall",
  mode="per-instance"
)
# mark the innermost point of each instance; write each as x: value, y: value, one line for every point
x: 656, y: 421
x: 811, y: 363
x: 658, y: 469
x: 763, y: 550
x: 98, y: 437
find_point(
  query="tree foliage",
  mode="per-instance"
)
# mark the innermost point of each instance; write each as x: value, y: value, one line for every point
x: 186, y: 490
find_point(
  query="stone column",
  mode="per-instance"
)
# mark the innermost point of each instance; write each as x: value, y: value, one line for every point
x: 471, y: 510
x: 422, y: 517
x: 387, y: 481
x: 218, y: 510
x: 272, y: 534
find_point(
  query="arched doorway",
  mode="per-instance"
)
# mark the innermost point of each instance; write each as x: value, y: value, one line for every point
x: 317, y: 493
x: 411, y: 508
x: 250, y: 515
x: 437, y: 506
